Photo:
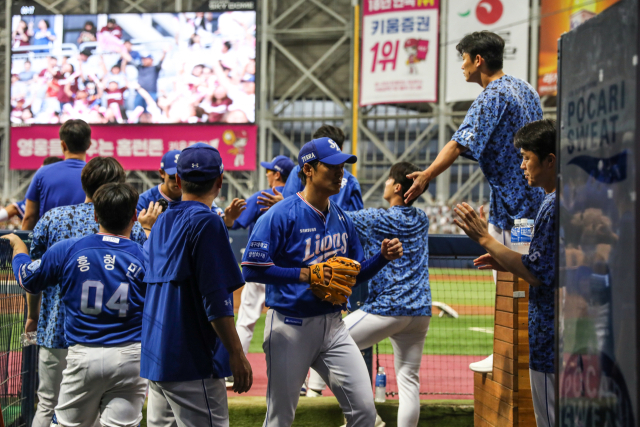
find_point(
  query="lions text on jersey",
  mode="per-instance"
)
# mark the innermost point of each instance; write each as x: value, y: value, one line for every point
x: 294, y: 234
x: 102, y: 286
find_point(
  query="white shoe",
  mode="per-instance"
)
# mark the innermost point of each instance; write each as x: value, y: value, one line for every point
x: 379, y: 422
x: 228, y: 382
x: 313, y: 393
x: 484, y: 366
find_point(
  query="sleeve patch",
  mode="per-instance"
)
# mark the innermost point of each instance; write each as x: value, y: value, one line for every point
x: 257, y: 255
x: 33, y: 267
x: 259, y: 245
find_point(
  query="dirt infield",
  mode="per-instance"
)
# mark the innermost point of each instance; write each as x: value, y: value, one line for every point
x: 442, y: 374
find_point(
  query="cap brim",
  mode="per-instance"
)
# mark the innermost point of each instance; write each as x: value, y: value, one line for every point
x: 171, y: 171
x: 267, y: 165
x: 339, y: 158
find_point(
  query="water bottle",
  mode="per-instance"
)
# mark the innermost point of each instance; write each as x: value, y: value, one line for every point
x: 514, y: 232
x: 525, y: 232
x: 381, y: 386
x: 531, y: 224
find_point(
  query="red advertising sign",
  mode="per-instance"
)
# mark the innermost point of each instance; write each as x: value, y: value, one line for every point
x: 138, y: 147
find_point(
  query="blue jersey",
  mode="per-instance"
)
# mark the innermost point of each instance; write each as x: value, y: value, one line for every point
x: 488, y: 130
x: 349, y: 198
x: 155, y: 193
x: 401, y: 288
x: 294, y: 234
x: 21, y: 207
x: 101, y: 279
x: 541, y: 262
x: 56, y: 185
x: 151, y: 195
x: 192, y: 273
x: 250, y: 215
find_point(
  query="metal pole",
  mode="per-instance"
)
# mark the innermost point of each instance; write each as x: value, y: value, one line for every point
x: 355, y: 98
x: 93, y: 7
x: 263, y: 107
x: 534, y: 43
x: 444, y: 179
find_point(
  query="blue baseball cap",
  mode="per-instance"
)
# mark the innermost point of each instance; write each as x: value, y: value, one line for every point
x: 200, y: 162
x: 326, y: 150
x: 169, y: 161
x: 281, y: 164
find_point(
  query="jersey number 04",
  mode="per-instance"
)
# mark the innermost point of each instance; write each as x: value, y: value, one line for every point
x: 118, y: 301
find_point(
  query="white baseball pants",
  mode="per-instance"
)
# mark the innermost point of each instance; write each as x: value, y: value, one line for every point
x: 251, y: 305
x: 199, y: 403
x: 293, y: 345
x: 51, y: 363
x: 407, y: 335
x: 543, y: 393
x: 104, y: 383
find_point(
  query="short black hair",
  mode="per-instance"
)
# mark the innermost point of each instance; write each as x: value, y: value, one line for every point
x: 51, y: 160
x: 76, y: 134
x: 539, y: 137
x: 100, y: 171
x: 399, y: 173
x: 488, y: 45
x: 303, y: 178
x: 198, y: 188
x: 328, y: 131
x: 115, y: 205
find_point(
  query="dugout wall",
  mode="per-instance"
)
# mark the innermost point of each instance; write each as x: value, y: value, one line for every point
x: 597, y: 299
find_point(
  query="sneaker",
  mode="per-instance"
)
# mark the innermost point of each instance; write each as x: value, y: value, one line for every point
x: 484, y: 366
x: 303, y: 389
x: 314, y: 393
x: 228, y: 381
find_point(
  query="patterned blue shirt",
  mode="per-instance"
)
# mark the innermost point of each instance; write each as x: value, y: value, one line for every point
x: 488, y: 130
x: 59, y: 224
x: 541, y: 262
x: 401, y: 288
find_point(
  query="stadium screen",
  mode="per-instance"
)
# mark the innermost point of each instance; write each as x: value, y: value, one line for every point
x: 150, y: 68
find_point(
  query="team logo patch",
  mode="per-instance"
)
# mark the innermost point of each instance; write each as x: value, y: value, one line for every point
x: 292, y: 321
x: 259, y: 245
x: 257, y: 255
x: 34, y: 266
x: 308, y: 157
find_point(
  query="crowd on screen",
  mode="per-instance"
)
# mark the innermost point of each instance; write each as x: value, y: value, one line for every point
x: 205, y: 73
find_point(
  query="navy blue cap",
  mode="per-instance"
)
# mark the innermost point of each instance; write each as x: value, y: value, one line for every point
x: 170, y: 161
x: 281, y: 164
x: 200, y: 162
x: 326, y: 150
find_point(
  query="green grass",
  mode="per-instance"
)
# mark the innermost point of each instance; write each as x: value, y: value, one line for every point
x: 324, y: 411
x: 477, y: 287
x: 447, y: 336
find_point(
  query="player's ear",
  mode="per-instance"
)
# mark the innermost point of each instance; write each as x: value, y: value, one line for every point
x: 95, y: 217
x: 64, y: 147
x: 397, y: 188
x: 179, y: 182
x: 219, y: 181
x: 162, y: 173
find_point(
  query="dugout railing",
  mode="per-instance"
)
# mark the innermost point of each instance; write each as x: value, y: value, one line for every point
x: 452, y: 342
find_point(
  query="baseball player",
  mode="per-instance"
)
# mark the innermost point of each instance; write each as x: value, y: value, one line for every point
x: 168, y: 190
x: 171, y: 192
x: 188, y: 310
x: 349, y: 198
x: 19, y: 208
x: 252, y: 298
x: 101, y: 278
x: 398, y: 305
x: 291, y: 250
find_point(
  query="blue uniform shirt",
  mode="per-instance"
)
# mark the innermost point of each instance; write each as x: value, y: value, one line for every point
x: 250, y: 215
x: 541, y: 262
x: 349, y: 198
x: 59, y: 224
x: 101, y: 285
x: 22, y: 207
x: 488, y: 130
x: 401, y: 288
x: 294, y: 234
x: 151, y: 195
x: 56, y: 185
x: 155, y: 193
x: 190, y: 275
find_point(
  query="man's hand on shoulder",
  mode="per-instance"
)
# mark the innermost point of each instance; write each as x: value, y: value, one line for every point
x: 391, y: 249
x: 233, y: 211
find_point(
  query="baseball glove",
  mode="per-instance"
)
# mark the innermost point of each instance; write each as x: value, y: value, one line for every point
x: 342, y: 279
